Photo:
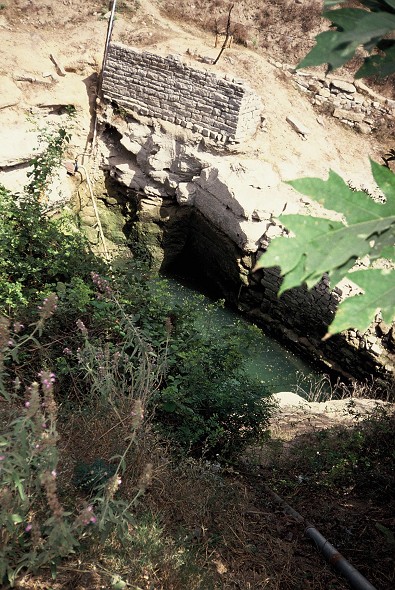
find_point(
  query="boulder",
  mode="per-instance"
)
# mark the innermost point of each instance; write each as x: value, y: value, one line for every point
x: 185, y: 193
x: 19, y: 145
x: 289, y: 399
x: 348, y: 115
x: 298, y: 126
x: 343, y: 86
x: 363, y: 128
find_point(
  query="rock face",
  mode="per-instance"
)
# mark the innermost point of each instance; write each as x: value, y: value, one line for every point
x: 239, y: 196
x: 235, y: 196
x: 21, y: 149
x: 10, y: 94
x: 216, y: 212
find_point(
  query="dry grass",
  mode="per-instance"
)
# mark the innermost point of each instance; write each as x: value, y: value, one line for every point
x: 324, y: 388
x: 283, y: 29
x: 255, y: 25
x: 205, y: 527
x: 44, y: 12
x: 342, y: 479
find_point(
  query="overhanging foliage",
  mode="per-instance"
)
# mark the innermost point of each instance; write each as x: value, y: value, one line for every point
x: 320, y: 245
x: 353, y: 28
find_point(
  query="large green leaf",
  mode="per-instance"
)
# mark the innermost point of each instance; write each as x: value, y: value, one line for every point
x: 361, y: 26
x: 385, y: 180
x: 329, y: 248
x: 319, y: 246
x: 356, y: 27
x: 330, y: 50
x: 383, y: 246
x: 359, y: 310
x: 378, y: 65
x: 378, y: 5
x: 356, y: 206
x: 348, y: 19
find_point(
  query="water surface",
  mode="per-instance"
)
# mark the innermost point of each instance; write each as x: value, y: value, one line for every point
x: 265, y: 359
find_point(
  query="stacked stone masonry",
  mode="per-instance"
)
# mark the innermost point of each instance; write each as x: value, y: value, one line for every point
x: 223, y: 109
x: 352, y: 103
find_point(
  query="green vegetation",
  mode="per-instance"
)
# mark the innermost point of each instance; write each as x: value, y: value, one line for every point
x: 49, y: 158
x: 342, y: 459
x: 114, y: 406
x: 322, y: 245
x: 208, y: 405
x: 113, y: 366
x: 38, y: 255
x: 353, y: 28
x: 366, y: 228
x: 343, y: 478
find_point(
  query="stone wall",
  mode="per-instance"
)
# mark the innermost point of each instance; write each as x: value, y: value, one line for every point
x: 301, y: 317
x: 351, y: 102
x: 222, y: 108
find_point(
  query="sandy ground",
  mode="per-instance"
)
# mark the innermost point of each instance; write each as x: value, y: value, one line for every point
x: 74, y: 33
x: 295, y: 415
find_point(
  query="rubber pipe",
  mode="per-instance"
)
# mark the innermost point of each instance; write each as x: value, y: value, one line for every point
x: 332, y: 556
x: 336, y: 559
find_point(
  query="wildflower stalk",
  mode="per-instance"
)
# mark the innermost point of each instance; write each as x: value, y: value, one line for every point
x: 132, y: 372
x: 115, y: 480
x: 9, y: 347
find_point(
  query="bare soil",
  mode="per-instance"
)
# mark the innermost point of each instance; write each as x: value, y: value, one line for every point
x: 75, y: 33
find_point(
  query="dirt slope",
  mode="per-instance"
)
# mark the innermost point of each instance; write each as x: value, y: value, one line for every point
x: 74, y: 33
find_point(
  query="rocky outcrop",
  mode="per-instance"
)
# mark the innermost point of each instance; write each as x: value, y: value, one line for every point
x: 351, y: 102
x: 215, y: 212
x: 10, y: 94
x: 240, y: 196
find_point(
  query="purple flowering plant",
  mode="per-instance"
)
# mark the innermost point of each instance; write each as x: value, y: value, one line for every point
x: 35, y: 527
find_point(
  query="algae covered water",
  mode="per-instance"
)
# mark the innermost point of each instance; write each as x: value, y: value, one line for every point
x: 265, y: 359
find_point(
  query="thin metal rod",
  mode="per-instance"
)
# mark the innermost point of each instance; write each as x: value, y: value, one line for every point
x: 100, y: 79
x: 109, y: 31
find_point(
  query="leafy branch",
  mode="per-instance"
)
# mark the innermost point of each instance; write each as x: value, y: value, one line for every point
x: 321, y: 245
x: 55, y: 142
x: 355, y: 27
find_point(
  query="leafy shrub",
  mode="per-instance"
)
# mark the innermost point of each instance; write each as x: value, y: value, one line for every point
x: 304, y: 257
x: 118, y: 350
x: 36, y: 529
x: 193, y: 383
x: 29, y: 536
x: 208, y: 405
x: 36, y: 253
x: 50, y: 158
